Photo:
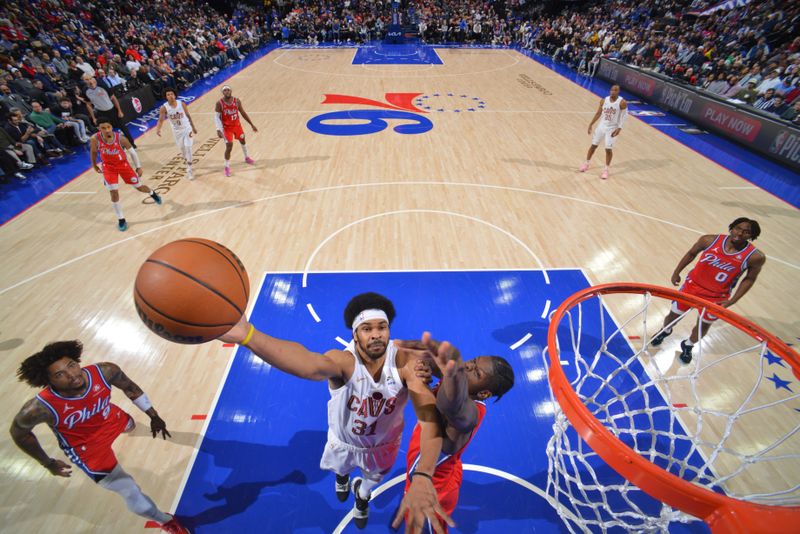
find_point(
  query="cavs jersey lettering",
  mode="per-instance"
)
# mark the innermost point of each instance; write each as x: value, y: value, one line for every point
x: 177, y: 116
x: 610, y: 114
x: 364, y: 412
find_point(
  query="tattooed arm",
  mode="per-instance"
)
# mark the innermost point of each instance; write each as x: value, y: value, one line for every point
x: 116, y: 377
x: 31, y: 414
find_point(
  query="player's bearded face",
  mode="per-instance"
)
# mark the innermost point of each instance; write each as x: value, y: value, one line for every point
x: 66, y: 375
x: 372, y: 337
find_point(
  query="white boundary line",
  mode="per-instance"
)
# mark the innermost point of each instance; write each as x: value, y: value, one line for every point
x: 313, y: 313
x: 342, y: 341
x: 524, y: 338
x: 353, y: 186
x: 741, y: 187
x: 437, y: 212
x: 210, y: 413
x: 546, y: 308
x: 470, y: 467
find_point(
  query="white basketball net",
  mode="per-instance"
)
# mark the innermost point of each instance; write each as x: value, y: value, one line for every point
x: 676, y: 416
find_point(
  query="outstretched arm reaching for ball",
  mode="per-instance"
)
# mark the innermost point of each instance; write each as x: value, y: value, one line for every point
x: 289, y: 356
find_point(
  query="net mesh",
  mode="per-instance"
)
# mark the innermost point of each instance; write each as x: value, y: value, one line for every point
x: 676, y: 416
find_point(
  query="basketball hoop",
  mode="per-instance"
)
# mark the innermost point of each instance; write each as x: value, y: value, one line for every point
x: 617, y: 391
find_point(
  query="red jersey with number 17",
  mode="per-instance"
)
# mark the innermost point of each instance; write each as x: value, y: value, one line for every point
x: 230, y: 113
x: 718, y: 271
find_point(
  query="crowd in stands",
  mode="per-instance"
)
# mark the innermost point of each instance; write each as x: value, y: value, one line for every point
x: 749, y: 55
x: 63, y: 63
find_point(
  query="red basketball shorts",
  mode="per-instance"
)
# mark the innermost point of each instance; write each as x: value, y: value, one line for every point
x: 97, y: 457
x: 691, y: 288
x: 233, y: 132
x: 112, y: 174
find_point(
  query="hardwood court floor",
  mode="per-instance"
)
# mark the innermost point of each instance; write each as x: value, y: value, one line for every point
x: 494, y: 188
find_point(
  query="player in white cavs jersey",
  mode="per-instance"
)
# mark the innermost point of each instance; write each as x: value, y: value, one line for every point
x: 614, y: 111
x: 182, y: 126
x: 369, y: 383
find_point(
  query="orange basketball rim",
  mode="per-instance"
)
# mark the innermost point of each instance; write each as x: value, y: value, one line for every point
x: 724, y: 515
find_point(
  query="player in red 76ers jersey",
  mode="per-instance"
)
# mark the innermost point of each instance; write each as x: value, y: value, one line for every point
x: 112, y: 146
x: 369, y: 383
x: 229, y: 127
x: 76, y: 404
x: 723, y: 260
x: 460, y: 397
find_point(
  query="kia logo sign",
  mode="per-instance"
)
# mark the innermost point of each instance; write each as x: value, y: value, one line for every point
x: 137, y: 104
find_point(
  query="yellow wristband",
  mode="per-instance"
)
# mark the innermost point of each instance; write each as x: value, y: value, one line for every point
x: 249, y: 335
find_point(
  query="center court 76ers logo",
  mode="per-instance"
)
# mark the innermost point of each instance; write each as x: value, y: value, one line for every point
x: 398, y: 106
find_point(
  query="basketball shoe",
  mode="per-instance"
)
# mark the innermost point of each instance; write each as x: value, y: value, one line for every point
x: 584, y: 167
x: 361, y: 507
x: 342, y: 487
x: 249, y: 160
x: 656, y: 341
x: 173, y: 526
x: 122, y: 224
x: 604, y: 174
x: 686, y: 352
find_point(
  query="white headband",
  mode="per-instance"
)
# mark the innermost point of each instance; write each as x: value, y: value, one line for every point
x: 226, y: 87
x: 368, y: 315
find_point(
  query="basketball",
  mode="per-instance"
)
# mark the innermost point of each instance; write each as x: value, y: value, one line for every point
x: 191, y: 291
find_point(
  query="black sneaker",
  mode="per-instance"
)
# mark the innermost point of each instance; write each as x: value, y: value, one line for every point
x: 656, y: 341
x: 156, y: 197
x: 361, y: 508
x: 686, y: 352
x: 342, y: 487
x: 122, y: 225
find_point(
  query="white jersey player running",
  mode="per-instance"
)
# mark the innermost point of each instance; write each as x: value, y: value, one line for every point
x: 182, y: 126
x: 369, y: 383
x: 614, y: 111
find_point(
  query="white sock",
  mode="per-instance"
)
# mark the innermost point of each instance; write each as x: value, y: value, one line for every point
x: 118, y: 209
x: 244, y: 149
x: 688, y: 343
x: 227, y: 163
x: 123, y: 484
x: 366, y: 487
